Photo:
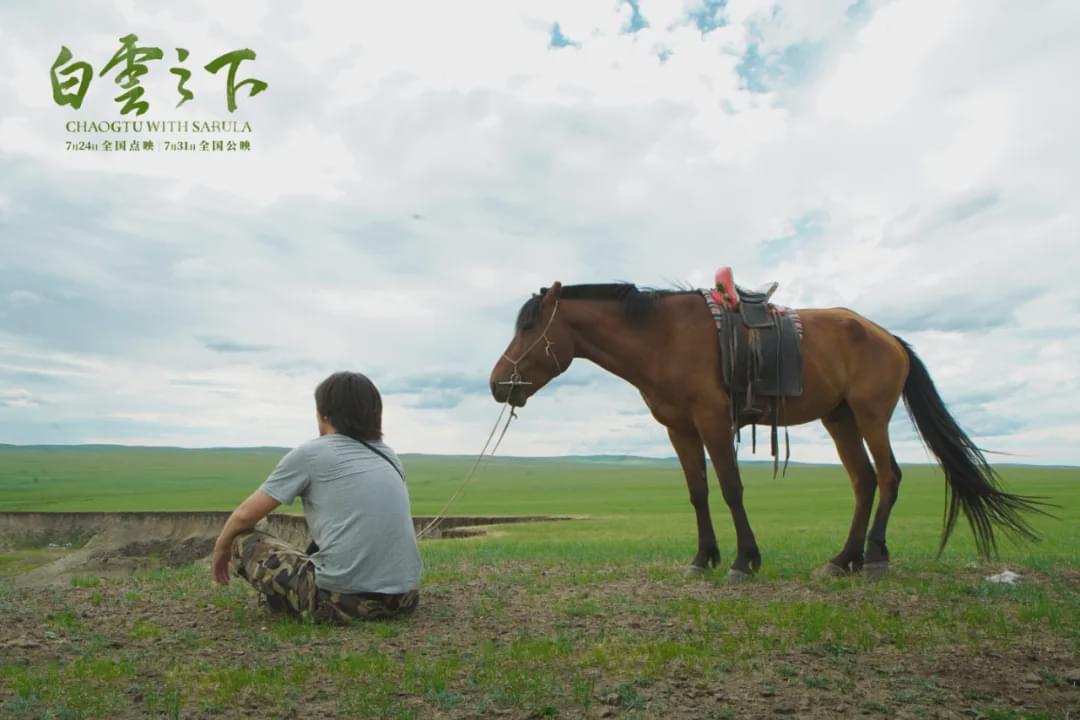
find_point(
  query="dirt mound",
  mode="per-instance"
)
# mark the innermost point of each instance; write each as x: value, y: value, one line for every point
x: 119, y: 544
x: 36, y: 529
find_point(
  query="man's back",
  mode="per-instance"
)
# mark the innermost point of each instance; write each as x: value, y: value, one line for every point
x: 357, y: 508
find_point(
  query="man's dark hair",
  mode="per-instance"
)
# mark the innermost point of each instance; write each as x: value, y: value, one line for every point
x: 352, y: 404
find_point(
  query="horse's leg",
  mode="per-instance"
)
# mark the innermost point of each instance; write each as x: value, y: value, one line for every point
x: 873, y: 423
x: 719, y: 441
x: 849, y: 445
x: 692, y: 458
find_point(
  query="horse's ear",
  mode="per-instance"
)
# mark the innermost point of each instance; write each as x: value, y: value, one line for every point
x: 553, y: 293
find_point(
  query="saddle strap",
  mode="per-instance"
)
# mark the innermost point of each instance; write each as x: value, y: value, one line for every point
x: 727, y: 325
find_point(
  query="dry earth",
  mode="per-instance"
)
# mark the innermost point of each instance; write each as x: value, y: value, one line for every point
x: 512, y: 640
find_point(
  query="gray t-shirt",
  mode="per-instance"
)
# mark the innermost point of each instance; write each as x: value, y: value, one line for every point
x: 357, y: 508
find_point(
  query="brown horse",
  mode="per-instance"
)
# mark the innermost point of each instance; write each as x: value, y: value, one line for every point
x: 664, y: 342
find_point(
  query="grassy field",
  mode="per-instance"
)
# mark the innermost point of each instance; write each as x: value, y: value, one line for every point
x: 591, y: 617
x: 637, y: 508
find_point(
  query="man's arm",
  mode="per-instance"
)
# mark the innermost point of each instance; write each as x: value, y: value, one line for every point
x: 255, y: 508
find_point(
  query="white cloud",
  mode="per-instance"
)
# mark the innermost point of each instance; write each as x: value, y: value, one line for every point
x: 23, y: 298
x: 416, y: 173
x: 881, y: 73
x: 17, y: 398
x: 978, y: 129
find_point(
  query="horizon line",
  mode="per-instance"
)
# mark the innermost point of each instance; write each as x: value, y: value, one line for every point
x: 665, y: 458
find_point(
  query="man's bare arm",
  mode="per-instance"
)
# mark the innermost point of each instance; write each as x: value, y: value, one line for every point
x: 257, y: 506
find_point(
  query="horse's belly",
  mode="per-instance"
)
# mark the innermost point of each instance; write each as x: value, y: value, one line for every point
x: 668, y: 414
x: 805, y: 408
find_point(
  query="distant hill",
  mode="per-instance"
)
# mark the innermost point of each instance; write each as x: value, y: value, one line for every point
x: 4, y: 447
x: 625, y: 460
x: 597, y: 459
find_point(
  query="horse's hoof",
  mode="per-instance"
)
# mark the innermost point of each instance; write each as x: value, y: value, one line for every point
x: 830, y: 570
x: 738, y: 576
x: 876, y: 570
x: 695, y: 571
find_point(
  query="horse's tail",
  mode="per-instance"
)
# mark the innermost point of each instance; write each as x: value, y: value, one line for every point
x: 972, y: 484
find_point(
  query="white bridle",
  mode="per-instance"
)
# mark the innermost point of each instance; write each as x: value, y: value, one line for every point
x: 515, y: 377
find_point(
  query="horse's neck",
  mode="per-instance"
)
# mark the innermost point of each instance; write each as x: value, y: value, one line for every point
x: 602, y: 336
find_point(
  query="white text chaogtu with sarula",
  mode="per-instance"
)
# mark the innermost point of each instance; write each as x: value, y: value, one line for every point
x: 157, y: 126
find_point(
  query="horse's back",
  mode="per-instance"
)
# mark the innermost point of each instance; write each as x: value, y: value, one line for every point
x: 842, y: 353
x: 845, y: 351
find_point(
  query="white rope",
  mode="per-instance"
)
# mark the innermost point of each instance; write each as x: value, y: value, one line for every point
x: 439, y: 516
x: 514, y: 381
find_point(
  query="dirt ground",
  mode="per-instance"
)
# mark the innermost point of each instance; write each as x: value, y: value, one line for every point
x: 521, y: 640
x: 118, y: 544
x: 1033, y: 676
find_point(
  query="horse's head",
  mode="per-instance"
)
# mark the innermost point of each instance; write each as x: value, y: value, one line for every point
x: 542, y: 348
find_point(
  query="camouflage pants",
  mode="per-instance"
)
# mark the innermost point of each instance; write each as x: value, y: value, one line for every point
x: 286, y: 578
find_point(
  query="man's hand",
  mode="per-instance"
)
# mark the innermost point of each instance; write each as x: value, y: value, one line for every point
x: 221, y: 566
x: 255, y: 508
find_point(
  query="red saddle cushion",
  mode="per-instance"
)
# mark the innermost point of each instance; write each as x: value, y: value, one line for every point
x: 725, y: 284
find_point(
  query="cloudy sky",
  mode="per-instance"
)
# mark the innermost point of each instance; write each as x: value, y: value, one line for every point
x: 417, y: 169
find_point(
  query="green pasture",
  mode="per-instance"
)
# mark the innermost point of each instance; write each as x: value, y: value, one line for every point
x: 591, y: 617
x: 635, y: 508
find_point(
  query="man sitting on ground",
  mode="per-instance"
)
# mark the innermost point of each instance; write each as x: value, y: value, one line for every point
x: 363, y: 562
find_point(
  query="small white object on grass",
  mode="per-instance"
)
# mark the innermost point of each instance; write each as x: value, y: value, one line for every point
x: 1007, y: 577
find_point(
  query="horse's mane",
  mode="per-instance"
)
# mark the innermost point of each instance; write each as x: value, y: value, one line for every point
x: 638, y: 303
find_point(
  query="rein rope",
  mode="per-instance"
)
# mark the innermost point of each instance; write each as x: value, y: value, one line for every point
x: 515, y: 380
x: 479, y: 458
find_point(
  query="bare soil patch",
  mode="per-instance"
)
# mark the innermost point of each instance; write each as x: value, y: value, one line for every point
x: 618, y: 645
x: 129, y: 625
x: 117, y: 544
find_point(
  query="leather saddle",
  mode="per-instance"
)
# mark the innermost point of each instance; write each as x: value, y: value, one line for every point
x: 759, y: 350
x: 759, y: 346
x: 752, y: 305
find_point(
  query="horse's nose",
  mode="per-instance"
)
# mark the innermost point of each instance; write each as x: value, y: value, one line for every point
x: 498, y: 391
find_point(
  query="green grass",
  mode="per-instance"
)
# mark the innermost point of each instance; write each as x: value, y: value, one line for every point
x: 809, y: 508
x: 559, y: 616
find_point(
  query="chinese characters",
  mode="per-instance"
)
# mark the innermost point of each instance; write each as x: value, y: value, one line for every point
x: 71, y: 79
